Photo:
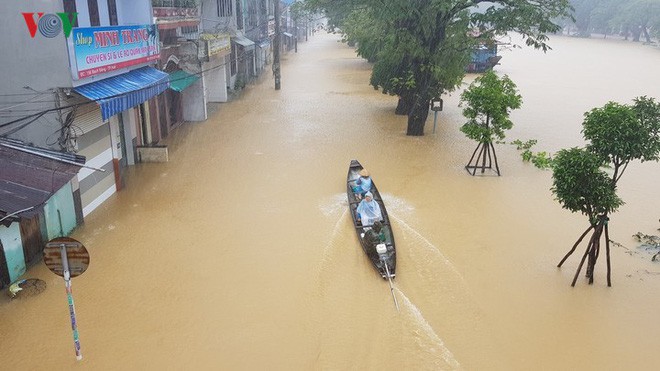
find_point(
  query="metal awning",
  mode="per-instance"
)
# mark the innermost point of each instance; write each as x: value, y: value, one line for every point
x: 29, y: 176
x: 243, y: 41
x: 287, y: 34
x: 119, y: 93
x: 180, y: 80
x: 264, y: 43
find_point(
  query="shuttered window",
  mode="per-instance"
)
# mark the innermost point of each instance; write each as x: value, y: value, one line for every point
x: 112, y: 11
x: 225, y: 8
x: 94, y: 19
x: 70, y: 7
x: 88, y: 118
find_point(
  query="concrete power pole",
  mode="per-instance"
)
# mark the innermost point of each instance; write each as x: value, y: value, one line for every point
x: 276, y: 46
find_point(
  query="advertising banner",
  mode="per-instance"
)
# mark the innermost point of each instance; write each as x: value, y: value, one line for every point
x: 97, y: 50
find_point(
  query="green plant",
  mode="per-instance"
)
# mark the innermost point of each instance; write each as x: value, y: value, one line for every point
x: 239, y: 84
x: 542, y: 160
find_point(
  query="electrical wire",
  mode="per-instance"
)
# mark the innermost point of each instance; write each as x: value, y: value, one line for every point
x: 39, y: 113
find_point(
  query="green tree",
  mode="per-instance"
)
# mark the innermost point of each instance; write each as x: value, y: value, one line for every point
x: 438, y: 34
x: 602, y: 17
x: 395, y: 76
x: 583, y: 12
x: 488, y: 102
x: 630, y: 17
x: 641, y: 15
x: 364, y: 33
x: 617, y: 134
x: 580, y: 185
x: 336, y: 11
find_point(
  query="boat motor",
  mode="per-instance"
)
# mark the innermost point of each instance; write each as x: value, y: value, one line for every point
x: 381, y: 249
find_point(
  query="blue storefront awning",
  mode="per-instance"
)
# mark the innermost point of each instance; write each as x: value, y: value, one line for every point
x: 119, y: 93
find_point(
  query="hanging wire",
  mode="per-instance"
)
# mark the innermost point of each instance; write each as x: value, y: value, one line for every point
x: 38, y: 113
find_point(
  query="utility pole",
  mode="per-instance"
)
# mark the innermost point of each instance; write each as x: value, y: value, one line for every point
x: 276, y: 46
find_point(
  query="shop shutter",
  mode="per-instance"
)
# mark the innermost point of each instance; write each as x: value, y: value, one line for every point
x: 87, y: 119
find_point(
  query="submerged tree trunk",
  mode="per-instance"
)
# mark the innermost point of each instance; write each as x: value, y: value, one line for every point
x: 417, y: 117
x: 592, y: 251
x: 636, y: 33
x: 645, y: 31
x: 404, y: 105
x: 419, y: 111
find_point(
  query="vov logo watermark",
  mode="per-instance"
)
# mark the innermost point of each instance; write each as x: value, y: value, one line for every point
x: 50, y: 25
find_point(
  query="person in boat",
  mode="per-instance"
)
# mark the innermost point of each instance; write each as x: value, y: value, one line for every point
x: 373, y: 237
x: 362, y: 184
x: 368, y: 211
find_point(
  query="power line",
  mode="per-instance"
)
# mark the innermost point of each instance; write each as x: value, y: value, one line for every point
x: 39, y: 113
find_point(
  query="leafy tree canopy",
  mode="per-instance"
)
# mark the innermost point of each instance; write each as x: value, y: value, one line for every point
x: 436, y: 37
x: 636, y: 17
x: 580, y: 185
x: 623, y: 133
x: 488, y: 102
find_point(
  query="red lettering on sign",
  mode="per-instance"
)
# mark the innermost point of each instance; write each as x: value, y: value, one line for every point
x: 31, y: 23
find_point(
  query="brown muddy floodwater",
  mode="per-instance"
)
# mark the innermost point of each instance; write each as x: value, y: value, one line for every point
x: 239, y: 253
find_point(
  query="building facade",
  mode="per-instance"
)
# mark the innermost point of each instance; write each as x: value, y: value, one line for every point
x: 84, y: 67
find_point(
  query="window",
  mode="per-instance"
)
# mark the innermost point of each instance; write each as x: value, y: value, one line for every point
x: 239, y: 16
x: 70, y: 7
x: 94, y: 19
x: 225, y: 8
x: 112, y: 11
x: 168, y: 37
x: 189, y: 29
x: 252, y: 15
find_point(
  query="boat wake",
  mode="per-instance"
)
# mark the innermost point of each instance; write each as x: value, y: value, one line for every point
x: 427, y: 339
x: 334, y: 205
x: 419, y: 345
x: 427, y: 258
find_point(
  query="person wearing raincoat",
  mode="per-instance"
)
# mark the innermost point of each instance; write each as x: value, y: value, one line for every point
x: 363, y: 183
x: 368, y: 211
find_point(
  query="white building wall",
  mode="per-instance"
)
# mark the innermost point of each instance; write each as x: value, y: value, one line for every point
x: 40, y: 62
x: 83, y: 13
x: 216, y: 82
x: 104, y: 14
x: 194, y: 102
x: 132, y: 12
x: 213, y: 23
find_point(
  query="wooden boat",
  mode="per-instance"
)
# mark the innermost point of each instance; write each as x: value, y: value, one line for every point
x: 385, y: 261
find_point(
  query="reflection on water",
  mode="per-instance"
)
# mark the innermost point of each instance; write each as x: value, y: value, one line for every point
x: 239, y: 253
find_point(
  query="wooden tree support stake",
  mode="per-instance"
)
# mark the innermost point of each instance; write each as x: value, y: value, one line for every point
x: 485, y: 157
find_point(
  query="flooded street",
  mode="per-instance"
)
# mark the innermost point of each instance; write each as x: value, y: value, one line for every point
x: 239, y: 253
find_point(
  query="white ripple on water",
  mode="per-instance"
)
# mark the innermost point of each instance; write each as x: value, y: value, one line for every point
x: 414, y: 314
x: 428, y: 245
x: 397, y: 204
x: 332, y: 241
x: 422, y: 330
x: 334, y: 204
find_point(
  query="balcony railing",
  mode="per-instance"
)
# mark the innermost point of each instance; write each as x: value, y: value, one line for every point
x: 175, y: 3
x: 175, y: 8
x: 172, y: 12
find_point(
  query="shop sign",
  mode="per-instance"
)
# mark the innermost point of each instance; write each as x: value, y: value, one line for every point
x: 271, y: 27
x: 216, y: 46
x: 97, y: 50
